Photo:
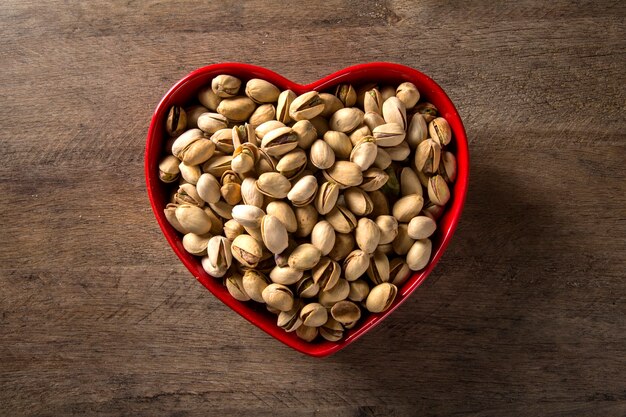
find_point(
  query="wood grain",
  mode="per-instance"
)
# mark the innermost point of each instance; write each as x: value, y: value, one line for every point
x: 524, y: 315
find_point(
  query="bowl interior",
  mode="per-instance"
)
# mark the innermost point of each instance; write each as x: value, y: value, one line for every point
x: 184, y: 92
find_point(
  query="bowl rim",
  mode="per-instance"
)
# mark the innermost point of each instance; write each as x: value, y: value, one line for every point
x: 389, y: 70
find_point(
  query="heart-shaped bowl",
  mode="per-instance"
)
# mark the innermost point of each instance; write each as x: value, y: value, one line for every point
x: 184, y: 92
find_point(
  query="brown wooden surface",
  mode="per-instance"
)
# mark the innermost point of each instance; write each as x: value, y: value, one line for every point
x: 524, y: 315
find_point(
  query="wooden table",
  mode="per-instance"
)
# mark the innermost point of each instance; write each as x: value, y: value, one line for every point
x: 525, y: 314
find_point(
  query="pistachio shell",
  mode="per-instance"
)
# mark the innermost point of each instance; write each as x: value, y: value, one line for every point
x: 403, y: 242
x: 285, y: 275
x: 237, y: 109
x: 285, y: 99
x: 367, y: 235
x: 279, y: 141
x: 193, y: 219
x: 176, y: 121
x: 439, y: 130
x: 373, y: 101
x: 225, y: 85
x: 212, y: 122
x: 427, y: 110
x: 234, y: 285
x: 326, y: 197
x: 208, y: 98
x: 250, y: 194
x: 346, y: 93
x: 399, y: 152
x: 356, y: 264
x: 262, y: 114
x: 292, y: 163
x: 322, y: 155
x: 254, y: 283
x: 321, y: 125
x: 394, y: 111
x: 261, y: 91
x: 323, y: 237
x: 219, y: 257
x: 307, y: 333
x: 290, y: 321
x: 373, y: 120
x: 284, y: 213
x: 383, y: 159
x: 387, y: 91
x: 378, y: 270
x: 247, y: 215
x: 306, y: 133
x: 217, y: 165
x: 331, y: 104
x: 388, y: 226
x: 332, y: 330
x: 359, y: 290
x: 346, y: 312
x: 264, y: 128
x: 216, y: 222
x: 427, y: 156
x: 273, y: 184
x: 304, y: 257
x: 303, y: 191
x: 246, y: 250
x: 418, y: 256
x: 438, y: 191
x: 374, y: 179
x: 417, y: 132
x: 306, y: 287
x: 232, y: 229
x: 306, y: 218
x: 408, y: 94
x: 380, y: 205
x: 364, y: 153
x: 381, y: 297
x: 358, y: 201
x: 389, y: 134
x: 196, y: 244
x: 265, y: 163
x: 338, y: 292
x: 274, y: 234
x: 359, y: 133
x: 447, y: 166
x: 313, y: 315
x: 278, y: 296
x: 326, y: 273
x: 339, y: 142
x: 409, y: 182
x: 421, y: 227
x: 399, y: 272
x: 345, y: 174
x: 306, y: 106
x: 168, y: 169
x: 341, y: 219
x: 408, y: 207
x: 346, y: 119
x: 188, y: 194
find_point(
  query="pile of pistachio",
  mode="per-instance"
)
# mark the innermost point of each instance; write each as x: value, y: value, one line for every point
x: 318, y: 205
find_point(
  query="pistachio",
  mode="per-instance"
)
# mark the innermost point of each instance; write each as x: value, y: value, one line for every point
x: 382, y: 160
x: 265, y: 163
x: 407, y: 93
x: 208, y: 98
x: 323, y: 237
x: 326, y: 274
x: 217, y: 165
x: 373, y: 101
x: 364, y: 153
x: 193, y: 219
x: 292, y: 163
x: 439, y: 130
x: 188, y: 194
x: 196, y: 244
x: 237, y: 109
x: 326, y: 197
x: 232, y: 229
x: 278, y: 296
x: 433, y: 211
x: 427, y: 110
x: 389, y: 134
x: 417, y: 132
x: 359, y: 289
x: 313, y: 315
x: 274, y: 234
x: 423, y: 178
x: 244, y: 134
x: 176, y: 121
x: 373, y: 120
x: 285, y: 99
x: 358, y: 201
x: 290, y: 321
x: 223, y: 141
x: 306, y: 133
x: 344, y: 243
x: 303, y: 191
x: 332, y: 330
x: 403, y: 242
x: 322, y: 155
x: 284, y: 213
x: 306, y: 218
x: 306, y: 333
x: 168, y: 169
x: 246, y: 250
x: 388, y: 226
x: 346, y: 119
x: 394, y: 111
x: 192, y: 147
x: 339, y: 142
x: 399, y: 272
x: 225, y: 85
x: 250, y: 194
x: 273, y: 184
x: 345, y: 174
x: 222, y: 208
x: 216, y: 222
x: 261, y: 91
x: 359, y: 133
x: 331, y: 104
x: 385, y: 248
x: 231, y: 193
x: 409, y: 182
x: 306, y: 106
x: 367, y: 235
x: 170, y: 215
x: 244, y: 158
x: 264, y: 128
x: 387, y: 91
x: 347, y: 94
x: 247, y: 215
x: 306, y: 287
x: 285, y: 275
x: 356, y: 264
x: 262, y: 114
x: 282, y: 259
x: 346, y: 312
x: 421, y: 227
x: 447, y: 166
x: 438, y: 191
x: 399, y: 153
x: 341, y: 219
x: 219, y: 257
x: 378, y: 270
x: 374, y: 179
x: 338, y: 292
x: 212, y: 122
x: 254, y: 283
x: 234, y: 285
x: 381, y: 297
x: 361, y: 90
x: 304, y: 257
x: 408, y: 207
x: 427, y: 156
x: 418, y: 256
x: 279, y: 141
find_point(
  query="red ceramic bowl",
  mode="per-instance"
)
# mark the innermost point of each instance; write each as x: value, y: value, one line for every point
x: 185, y: 91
